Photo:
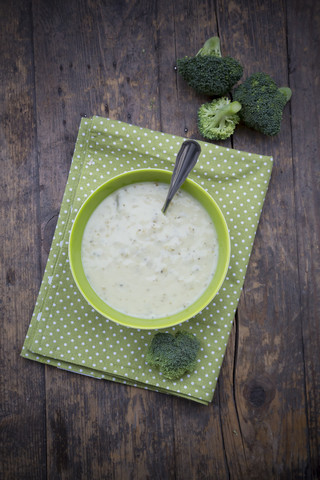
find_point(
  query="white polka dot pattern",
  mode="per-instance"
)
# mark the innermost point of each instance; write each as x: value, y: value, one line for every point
x: 66, y: 332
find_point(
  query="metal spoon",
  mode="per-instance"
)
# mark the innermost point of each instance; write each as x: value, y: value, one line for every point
x: 186, y: 159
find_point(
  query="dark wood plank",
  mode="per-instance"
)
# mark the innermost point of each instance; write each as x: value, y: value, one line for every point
x: 23, y: 449
x: 269, y: 363
x: 105, y: 430
x: 236, y: 463
x: 304, y: 73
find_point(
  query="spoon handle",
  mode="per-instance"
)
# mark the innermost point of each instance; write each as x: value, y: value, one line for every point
x: 186, y: 159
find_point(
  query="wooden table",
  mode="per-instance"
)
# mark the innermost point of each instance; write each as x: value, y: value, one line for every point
x: 62, y: 60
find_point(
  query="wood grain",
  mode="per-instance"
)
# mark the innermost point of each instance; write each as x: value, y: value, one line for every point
x: 304, y: 80
x: 269, y: 389
x: 23, y: 433
x: 60, y: 61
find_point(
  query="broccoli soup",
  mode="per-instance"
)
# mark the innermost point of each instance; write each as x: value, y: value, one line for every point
x: 144, y: 263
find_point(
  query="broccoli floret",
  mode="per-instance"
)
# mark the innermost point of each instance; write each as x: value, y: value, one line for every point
x: 262, y: 103
x: 208, y: 72
x: 174, y: 355
x: 217, y: 120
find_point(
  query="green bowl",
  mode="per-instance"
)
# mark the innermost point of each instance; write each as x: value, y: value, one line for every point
x: 135, y: 176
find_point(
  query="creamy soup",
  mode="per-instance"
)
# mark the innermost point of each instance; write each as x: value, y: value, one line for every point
x: 145, y: 263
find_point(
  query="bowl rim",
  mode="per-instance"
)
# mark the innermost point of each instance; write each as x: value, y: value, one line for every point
x: 139, y: 176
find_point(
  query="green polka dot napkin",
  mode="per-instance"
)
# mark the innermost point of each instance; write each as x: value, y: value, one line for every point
x: 67, y: 332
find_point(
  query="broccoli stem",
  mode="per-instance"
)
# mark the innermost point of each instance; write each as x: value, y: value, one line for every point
x: 287, y: 92
x: 218, y: 117
x: 211, y: 47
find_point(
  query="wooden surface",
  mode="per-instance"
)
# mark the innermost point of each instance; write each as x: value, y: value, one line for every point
x: 60, y: 60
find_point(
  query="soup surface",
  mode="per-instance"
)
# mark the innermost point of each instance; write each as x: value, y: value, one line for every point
x: 144, y: 263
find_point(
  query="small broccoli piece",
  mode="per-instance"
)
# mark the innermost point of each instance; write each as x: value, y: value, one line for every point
x: 262, y: 103
x: 174, y: 355
x: 208, y: 72
x: 217, y: 120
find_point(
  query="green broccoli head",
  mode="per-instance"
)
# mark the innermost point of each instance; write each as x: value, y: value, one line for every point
x: 262, y: 103
x: 208, y: 72
x: 174, y: 355
x: 217, y: 120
